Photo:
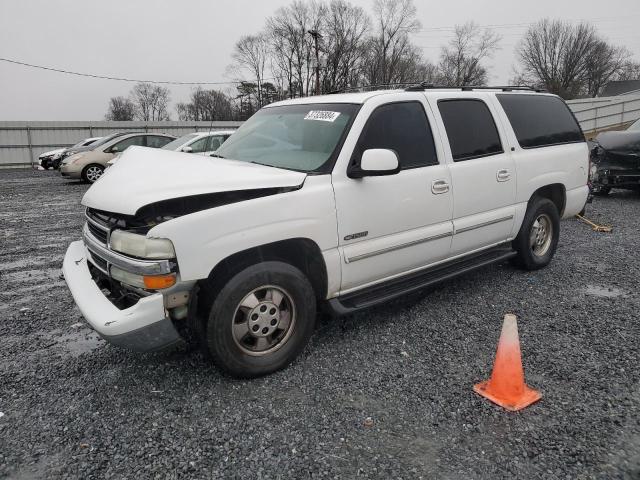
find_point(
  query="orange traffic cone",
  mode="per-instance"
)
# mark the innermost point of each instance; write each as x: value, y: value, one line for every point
x: 506, y: 386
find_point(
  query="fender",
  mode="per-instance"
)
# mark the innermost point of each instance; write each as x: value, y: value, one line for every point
x: 204, y: 238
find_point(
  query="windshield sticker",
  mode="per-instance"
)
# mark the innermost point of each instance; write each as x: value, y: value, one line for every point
x: 322, y: 115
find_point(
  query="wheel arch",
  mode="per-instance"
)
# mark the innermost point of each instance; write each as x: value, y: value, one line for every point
x: 556, y: 192
x: 302, y: 253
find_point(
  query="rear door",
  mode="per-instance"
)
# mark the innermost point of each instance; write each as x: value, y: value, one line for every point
x: 483, y: 174
x: 390, y: 225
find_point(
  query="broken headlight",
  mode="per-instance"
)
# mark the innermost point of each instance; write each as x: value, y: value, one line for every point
x: 140, y: 246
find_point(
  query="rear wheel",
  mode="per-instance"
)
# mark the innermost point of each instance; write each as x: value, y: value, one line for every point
x: 260, y: 320
x: 91, y: 173
x: 537, y: 240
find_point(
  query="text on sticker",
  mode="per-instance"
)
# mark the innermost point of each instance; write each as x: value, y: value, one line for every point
x: 322, y: 115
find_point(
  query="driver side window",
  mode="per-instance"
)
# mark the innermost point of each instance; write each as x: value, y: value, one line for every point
x: 402, y: 127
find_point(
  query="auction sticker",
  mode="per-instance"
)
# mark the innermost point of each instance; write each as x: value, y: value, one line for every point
x: 322, y: 115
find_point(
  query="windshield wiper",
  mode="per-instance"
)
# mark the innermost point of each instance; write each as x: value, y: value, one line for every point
x: 216, y: 155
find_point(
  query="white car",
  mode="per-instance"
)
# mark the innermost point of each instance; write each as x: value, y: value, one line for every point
x: 344, y: 201
x: 53, y: 158
x: 201, y: 143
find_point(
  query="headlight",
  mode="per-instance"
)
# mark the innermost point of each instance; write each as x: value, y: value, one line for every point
x: 140, y: 246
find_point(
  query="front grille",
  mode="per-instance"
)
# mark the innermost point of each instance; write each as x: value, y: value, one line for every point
x: 97, y: 232
x: 99, y: 262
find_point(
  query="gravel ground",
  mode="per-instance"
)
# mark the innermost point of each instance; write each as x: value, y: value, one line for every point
x: 74, y: 406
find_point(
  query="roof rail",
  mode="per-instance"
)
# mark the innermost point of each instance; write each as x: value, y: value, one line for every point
x: 469, y: 88
x: 367, y: 88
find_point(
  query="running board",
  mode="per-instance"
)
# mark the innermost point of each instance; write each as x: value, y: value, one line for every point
x: 397, y: 287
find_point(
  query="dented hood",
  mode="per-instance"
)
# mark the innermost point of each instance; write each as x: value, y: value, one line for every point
x: 147, y: 175
x: 623, y: 142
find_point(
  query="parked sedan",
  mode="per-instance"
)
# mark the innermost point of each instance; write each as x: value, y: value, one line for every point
x: 615, y: 160
x: 53, y: 158
x: 46, y: 159
x: 203, y: 143
x: 89, y: 164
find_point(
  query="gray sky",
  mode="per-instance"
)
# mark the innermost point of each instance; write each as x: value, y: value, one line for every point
x: 192, y: 40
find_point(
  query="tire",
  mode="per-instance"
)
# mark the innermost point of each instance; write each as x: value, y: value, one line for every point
x: 537, y: 239
x: 247, y: 332
x: 92, y: 172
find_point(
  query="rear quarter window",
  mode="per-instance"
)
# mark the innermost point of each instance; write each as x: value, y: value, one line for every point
x: 540, y: 120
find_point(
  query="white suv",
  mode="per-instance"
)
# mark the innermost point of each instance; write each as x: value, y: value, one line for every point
x: 343, y: 201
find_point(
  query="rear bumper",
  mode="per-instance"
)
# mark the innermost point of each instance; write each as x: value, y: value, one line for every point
x: 575, y: 201
x: 143, y: 327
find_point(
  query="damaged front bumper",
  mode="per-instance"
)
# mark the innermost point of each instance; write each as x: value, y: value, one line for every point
x: 142, y: 327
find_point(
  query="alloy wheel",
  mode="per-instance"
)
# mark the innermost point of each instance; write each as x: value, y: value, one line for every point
x: 263, y: 321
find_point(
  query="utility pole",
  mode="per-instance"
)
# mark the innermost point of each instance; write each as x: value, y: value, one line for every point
x: 316, y: 35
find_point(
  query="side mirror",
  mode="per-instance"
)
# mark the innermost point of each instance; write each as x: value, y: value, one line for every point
x: 114, y: 149
x: 376, y: 162
x: 187, y: 149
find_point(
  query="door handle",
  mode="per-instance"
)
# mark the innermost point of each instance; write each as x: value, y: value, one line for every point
x: 439, y: 186
x: 503, y: 175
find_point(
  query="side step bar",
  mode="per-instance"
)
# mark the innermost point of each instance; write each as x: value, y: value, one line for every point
x: 397, y: 287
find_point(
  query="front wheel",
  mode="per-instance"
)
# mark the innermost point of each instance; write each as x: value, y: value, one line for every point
x: 537, y: 240
x: 91, y: 173
x: 261, y: 320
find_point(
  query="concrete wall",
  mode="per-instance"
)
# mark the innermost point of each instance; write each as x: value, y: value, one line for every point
x: 20, y: 142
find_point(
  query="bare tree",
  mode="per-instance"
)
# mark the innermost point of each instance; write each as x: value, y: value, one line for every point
x: 291, y: 44
x: 603, y: 63
x: 206, y: 105
x: 151, y: 102
x: 461, y: 60
x: 390, y: 47
x: 120, y: 109
x: 250, y: 54
x: 554, y: 54
x: 344, y: 30
x: 630, y: 70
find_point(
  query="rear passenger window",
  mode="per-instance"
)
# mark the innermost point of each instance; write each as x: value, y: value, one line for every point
x: 540, y: 120
x: 402, y: 127
x: 470, y: 128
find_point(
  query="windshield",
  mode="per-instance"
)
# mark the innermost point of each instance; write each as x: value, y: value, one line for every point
x: 295, y: 137
x: 178, y: 142
x: 635, y: 125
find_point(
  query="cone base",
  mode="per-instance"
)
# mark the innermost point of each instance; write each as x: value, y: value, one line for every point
x: 528, y: 397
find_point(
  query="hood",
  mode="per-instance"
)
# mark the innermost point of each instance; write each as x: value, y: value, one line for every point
x: 624, y: 141
x: 52, y: 152
x: 143, y: 176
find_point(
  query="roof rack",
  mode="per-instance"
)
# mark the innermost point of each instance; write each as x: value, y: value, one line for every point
x: 367, y: 88
x: 469, y: 88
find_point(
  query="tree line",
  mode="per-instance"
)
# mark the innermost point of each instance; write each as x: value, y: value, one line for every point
x: 321, y: 46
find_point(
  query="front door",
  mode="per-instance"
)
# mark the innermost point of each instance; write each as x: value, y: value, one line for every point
x: 390, y: 225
